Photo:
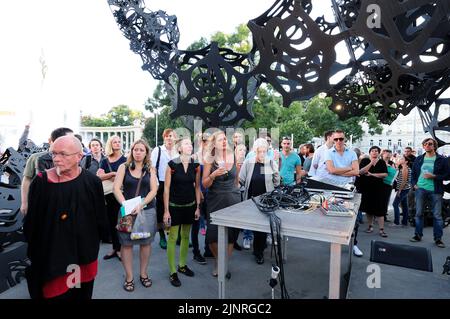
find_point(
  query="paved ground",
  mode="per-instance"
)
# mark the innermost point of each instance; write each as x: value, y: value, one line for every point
x: 306, y: 273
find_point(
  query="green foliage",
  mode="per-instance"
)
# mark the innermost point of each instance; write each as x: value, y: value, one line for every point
x: 305, y: 119
x: 164, y: 121
x: 120, y: 115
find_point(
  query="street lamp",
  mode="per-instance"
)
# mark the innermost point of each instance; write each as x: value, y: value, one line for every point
x: 156, y: 111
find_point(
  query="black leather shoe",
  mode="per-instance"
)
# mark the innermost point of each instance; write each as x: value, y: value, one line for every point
x: 114, y: 254
x: 259, y: 259
x: 174, y: 280
x: 186, y: 271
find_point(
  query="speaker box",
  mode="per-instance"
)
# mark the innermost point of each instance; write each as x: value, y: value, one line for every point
x: 401, y: 255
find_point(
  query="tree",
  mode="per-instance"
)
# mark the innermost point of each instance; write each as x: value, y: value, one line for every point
x: 164, y: 121
x: 304, y: 119
x: 120, y: 115
x: 92, y: 121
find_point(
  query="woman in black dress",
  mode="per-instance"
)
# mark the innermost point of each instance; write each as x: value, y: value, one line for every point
x: 372, y: 171
x: 107, y: 172
x: 221, y: 177
x: 181, y: 205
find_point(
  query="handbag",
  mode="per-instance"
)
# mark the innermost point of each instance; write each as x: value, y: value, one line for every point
x: 108, y: 185
x: 126, y: 223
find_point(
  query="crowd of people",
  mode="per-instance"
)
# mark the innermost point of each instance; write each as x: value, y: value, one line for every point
x: 75, y: 198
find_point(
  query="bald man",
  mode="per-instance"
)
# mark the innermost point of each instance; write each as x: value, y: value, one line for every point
x: 66, y: 220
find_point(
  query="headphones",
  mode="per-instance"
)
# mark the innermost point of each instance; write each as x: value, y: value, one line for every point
x: 133, y: 166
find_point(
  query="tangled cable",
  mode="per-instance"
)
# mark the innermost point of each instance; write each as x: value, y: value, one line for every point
x: 284, y: 197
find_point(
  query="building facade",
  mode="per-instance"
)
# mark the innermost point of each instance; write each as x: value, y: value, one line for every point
x: 404, y: 131
x: 128, y: 134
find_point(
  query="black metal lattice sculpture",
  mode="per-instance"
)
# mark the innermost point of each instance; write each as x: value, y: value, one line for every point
x: 399, y: 56
x: 13, y: 248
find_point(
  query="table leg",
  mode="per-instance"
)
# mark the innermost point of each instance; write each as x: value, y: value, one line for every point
x: 284, y: 243
x: 222, y: 259
x: 335, y: 271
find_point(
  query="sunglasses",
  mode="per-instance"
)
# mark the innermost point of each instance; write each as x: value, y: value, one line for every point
x: 339, y: 139
x: 428, y: 144
x: 286, y: 138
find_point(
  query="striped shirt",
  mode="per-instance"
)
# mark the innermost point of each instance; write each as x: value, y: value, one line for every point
x: 400, y: 179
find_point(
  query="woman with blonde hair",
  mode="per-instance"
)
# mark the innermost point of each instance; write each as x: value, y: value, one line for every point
x: 221, y: 177
x: 137, y: 178
x: 107, y: 173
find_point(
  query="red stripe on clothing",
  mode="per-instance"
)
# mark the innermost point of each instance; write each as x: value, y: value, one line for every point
x: 58, y: 286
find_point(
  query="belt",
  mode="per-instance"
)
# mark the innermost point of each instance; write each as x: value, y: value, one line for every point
x: 182, y: 205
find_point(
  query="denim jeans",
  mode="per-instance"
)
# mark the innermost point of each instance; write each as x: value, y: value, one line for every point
x: 359, y: 217
x: 436, y: 202
x: 403, y: 200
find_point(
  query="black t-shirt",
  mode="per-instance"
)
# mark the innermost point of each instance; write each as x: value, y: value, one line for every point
x: 258, y: 183
x: 182, y: 185
x: 114, y: 165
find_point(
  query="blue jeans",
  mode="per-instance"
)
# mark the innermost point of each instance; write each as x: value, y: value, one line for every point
x: 359, y: 217
x: 436, y: 202
x: 403, y: 200
x: 247, y: 234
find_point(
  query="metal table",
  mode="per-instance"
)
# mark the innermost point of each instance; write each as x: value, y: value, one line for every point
x: 314, y: 225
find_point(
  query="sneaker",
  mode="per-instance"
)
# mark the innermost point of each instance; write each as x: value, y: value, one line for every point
x: 186, y: 271
x: 174, y: 280
x: 203, y: 231
x: 357, y: 252
x: 394, y: 225
x: 163, y: 243
x: 269, y: 240
x: 246, y: 243
x: 439, y: 243
x: 259, y: 258
x: 200, y: 259
x: 416, y: 238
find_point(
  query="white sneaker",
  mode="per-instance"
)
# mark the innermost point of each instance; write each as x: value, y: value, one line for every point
x: 269, y: 240
x: 357, y: 252
x: 246, y: 243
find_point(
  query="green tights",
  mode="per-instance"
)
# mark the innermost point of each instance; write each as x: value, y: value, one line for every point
x: 184, y: 246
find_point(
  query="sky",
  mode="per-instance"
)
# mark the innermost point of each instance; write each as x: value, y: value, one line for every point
x: 89, y: 64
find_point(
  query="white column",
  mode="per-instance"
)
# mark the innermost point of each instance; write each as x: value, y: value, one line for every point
x: 127, y: 138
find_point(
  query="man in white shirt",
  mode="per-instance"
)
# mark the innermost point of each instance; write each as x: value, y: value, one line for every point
x: 160, y: 157
x: 318, y: 165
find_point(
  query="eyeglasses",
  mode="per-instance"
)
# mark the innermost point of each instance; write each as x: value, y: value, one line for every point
x: 339, y: 139
x: 428, y: 144
x: 54, y: 154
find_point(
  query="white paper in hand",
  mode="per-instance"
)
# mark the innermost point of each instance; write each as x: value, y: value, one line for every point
x: 129, y: 205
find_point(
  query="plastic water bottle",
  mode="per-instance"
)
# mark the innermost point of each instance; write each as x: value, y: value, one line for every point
x: 167, y: 226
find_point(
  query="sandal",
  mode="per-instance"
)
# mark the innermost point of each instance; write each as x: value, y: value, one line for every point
x: 129, y: 286
x: 146, y: 282
x: 382, y: 233
x: 370, y: 229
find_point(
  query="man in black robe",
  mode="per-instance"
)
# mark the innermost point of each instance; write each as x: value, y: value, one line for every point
x: 65, y: 222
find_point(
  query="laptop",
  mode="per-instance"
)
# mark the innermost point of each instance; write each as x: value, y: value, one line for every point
x: 325, y: 185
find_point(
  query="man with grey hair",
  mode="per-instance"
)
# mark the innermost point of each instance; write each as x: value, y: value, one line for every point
x: 66, y: 220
